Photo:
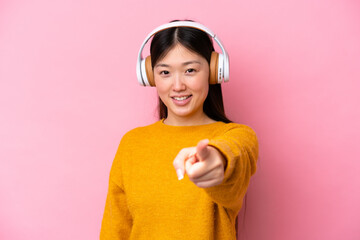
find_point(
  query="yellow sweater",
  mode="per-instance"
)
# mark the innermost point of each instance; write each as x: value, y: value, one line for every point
x: 147, y: 201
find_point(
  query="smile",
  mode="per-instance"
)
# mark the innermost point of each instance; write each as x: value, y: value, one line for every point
x: 181, y: 98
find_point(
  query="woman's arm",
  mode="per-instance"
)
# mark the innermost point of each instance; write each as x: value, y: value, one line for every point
x: 117, y: 220
x: 240, y: 148
x: 223, y: 166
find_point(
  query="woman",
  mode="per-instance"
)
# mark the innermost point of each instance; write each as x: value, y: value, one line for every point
x: 184, y: 176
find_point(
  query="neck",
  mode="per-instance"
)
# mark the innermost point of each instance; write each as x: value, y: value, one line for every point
x: 188, y: 120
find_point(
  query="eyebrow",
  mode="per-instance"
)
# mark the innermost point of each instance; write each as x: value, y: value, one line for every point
x: 184, y: 64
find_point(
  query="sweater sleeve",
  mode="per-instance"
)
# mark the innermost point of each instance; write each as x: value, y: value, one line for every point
x: 117, y: 220
x: 239, y: 146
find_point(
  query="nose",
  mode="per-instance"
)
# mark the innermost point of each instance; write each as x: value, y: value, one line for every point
x: 178, y: 83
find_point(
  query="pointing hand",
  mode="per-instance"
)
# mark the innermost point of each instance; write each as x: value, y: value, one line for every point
x: 203, y: 164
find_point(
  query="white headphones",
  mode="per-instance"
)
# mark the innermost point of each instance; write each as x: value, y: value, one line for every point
x: 219, y: 63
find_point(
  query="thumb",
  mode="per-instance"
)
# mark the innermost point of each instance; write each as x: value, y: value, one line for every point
x: 180, y: 159
x: 202, y: 152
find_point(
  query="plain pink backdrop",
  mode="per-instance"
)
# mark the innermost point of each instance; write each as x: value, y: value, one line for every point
x: 68, y: 92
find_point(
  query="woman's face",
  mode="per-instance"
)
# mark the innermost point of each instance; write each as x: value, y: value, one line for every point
x: 182, y: 82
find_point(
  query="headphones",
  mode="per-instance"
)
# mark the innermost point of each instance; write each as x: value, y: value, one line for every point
x: 219, y: 63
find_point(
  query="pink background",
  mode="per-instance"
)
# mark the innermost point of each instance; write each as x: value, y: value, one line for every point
x: 68, y: 92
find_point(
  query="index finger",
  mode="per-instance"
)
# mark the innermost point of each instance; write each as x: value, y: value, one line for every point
x: 201, y: 149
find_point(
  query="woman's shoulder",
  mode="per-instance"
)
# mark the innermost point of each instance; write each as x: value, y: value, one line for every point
x: 236, y: 126
x: 140, y: 131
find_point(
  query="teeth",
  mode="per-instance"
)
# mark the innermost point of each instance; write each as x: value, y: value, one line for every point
x: 181, y: 98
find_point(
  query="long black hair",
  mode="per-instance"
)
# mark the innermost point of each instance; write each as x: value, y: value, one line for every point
x: 196, y: 41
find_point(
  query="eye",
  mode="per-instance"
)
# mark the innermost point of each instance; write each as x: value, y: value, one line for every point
x: 190, y: 70
x: 164, y: 72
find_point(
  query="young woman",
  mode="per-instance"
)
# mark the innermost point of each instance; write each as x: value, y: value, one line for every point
x: 184, y: 176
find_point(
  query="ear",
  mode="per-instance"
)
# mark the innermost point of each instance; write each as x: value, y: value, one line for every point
x: 149, y: 71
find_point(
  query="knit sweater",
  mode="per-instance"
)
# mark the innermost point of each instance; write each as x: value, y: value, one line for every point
x: 147, y: 201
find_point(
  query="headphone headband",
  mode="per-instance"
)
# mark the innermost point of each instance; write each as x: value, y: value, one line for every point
x: 223, y: 76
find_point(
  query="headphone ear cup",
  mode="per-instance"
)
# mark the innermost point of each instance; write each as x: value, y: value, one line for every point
x: 149, y: 71
x: 213, y: 75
